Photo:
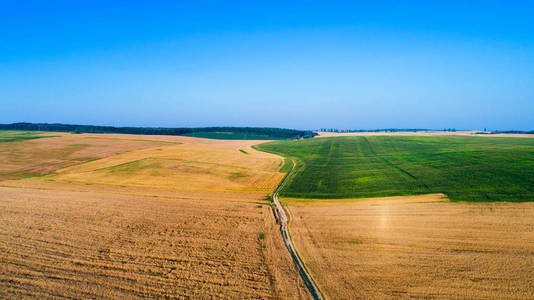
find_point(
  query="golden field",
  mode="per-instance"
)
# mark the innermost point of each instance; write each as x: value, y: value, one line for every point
x: 125, y: 216
x: 416, y: 247
x: 42, y: 156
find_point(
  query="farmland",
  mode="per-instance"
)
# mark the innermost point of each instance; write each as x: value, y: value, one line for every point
x: 416, y: 247
x: 128, y: 216
x: 12, y: 136
x: 462, y: 167
x: 409, y: 240
x: 32, y: 155
x: 136, y: 216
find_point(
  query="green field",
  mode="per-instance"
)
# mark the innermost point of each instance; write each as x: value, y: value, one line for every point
x: 14, y: 136
x: 230, y: 135
x: 287, y: 166
x: 464, y: 168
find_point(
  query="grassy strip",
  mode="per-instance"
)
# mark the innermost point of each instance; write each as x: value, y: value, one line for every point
x: 287, y: 165
x: 15, y: 132
x: 21, y: 137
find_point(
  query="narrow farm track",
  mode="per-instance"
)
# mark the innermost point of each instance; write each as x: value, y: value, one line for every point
x: 283, y: 220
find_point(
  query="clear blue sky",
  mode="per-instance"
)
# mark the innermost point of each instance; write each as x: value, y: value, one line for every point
x: 296, y: 64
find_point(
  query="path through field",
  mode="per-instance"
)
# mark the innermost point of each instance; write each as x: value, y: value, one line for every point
x: 283, y: 220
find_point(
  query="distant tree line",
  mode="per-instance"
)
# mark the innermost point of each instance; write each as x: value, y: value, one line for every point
x: 271, y: 132
x: 417, y: 129
x: 514, y: 131
x: 372, y: 130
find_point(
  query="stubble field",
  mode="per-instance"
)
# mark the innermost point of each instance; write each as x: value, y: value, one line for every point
x: 416, y: 247
x: 29, y: 155
x: 121, y: 216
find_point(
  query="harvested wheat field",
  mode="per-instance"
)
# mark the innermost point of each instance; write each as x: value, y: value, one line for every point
x: 158, y: 217
x: 416, y: 247
x: 27, y: 158
x: 183, y: 167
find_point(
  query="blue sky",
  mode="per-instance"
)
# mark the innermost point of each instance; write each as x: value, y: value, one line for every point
x: 302, y: 64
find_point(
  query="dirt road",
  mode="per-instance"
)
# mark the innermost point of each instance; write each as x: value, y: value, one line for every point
x: 283, y: 220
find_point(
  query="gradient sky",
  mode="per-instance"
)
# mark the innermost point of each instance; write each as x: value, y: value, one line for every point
x: 301, y: 64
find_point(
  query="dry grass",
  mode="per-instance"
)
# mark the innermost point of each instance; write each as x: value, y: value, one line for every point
x: 416, y: 247
x: 190, y: 167
x: 157, y: 220
x: 183, y: 167
x: 42, y: 156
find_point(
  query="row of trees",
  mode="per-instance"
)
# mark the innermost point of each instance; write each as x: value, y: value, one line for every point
x: 514, y: 131
x: 270, y: 132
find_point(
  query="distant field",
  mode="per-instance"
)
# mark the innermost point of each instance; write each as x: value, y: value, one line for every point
x: 462, y: 167
x: 14, y: 136
x: 231, y: 136
x: 190, y: 166
x: 28, y: 155
x: 421, y: 247
x: 128, y: 216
